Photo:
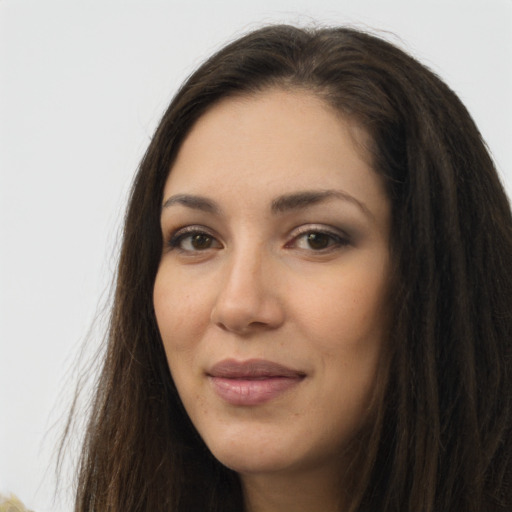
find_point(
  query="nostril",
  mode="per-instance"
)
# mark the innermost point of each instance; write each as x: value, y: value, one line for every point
x: 244, y: 316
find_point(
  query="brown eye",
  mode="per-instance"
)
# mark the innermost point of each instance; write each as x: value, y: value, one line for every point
x: 193, y: 240
x: 318, y: 241
x: 201, y: 241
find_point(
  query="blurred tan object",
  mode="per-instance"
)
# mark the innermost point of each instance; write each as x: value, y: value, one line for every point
x: 11, y: 504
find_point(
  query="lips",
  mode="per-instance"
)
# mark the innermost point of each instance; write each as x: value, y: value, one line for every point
x: 252, y: 382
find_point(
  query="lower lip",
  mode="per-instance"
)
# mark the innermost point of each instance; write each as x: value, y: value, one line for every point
x: 252, y: 391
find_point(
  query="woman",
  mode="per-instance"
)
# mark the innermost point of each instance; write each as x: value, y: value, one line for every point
x: 313, y: 306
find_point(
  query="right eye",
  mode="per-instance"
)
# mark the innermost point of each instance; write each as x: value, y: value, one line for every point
x: 193, y: 239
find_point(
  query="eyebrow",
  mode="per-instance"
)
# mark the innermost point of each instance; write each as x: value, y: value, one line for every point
x: 301, y: 200
x: 282, y: 204
x: 191, y: 201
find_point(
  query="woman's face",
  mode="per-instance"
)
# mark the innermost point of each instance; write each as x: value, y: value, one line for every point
x: 271, y: 295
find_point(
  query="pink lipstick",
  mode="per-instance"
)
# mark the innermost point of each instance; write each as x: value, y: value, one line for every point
x: 252, y: 382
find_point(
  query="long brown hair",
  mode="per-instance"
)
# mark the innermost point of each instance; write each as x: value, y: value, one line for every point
x: 441, y: 436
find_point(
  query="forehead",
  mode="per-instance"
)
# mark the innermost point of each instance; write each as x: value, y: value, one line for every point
x: 273, y: 118
x: 273, y: 142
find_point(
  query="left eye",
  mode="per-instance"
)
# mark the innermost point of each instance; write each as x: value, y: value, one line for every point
x: 197, y: 242
x: 318, y: 241
x: 193, y: 241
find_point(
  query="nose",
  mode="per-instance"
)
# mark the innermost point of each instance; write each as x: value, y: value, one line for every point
x: 248, y: 300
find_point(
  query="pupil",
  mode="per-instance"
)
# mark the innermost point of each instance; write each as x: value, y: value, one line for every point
x: 318, y: 240
x: 201, y: 241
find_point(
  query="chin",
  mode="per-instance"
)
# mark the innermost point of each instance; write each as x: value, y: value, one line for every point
x: 258, y: 453
x: 254, y: 462
x: 266, y: 452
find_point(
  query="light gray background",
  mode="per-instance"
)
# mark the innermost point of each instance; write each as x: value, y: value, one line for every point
x: 82, y: 86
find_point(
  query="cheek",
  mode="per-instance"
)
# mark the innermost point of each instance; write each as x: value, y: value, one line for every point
x: 346, y: 313
x: 175, y: 305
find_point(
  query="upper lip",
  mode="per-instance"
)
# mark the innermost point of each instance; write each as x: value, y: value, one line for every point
x: 252, y: 368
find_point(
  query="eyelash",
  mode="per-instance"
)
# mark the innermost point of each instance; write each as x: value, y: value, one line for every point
x: 180, y: 235
x: 334, y: 240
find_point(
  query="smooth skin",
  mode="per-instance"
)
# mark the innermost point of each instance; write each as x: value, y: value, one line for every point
x: 276, y: 247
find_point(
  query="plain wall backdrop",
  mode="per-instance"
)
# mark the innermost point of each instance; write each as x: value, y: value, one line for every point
x: 82, y: 87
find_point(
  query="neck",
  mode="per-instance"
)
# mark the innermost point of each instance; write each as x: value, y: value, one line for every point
x: 292, y: 492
